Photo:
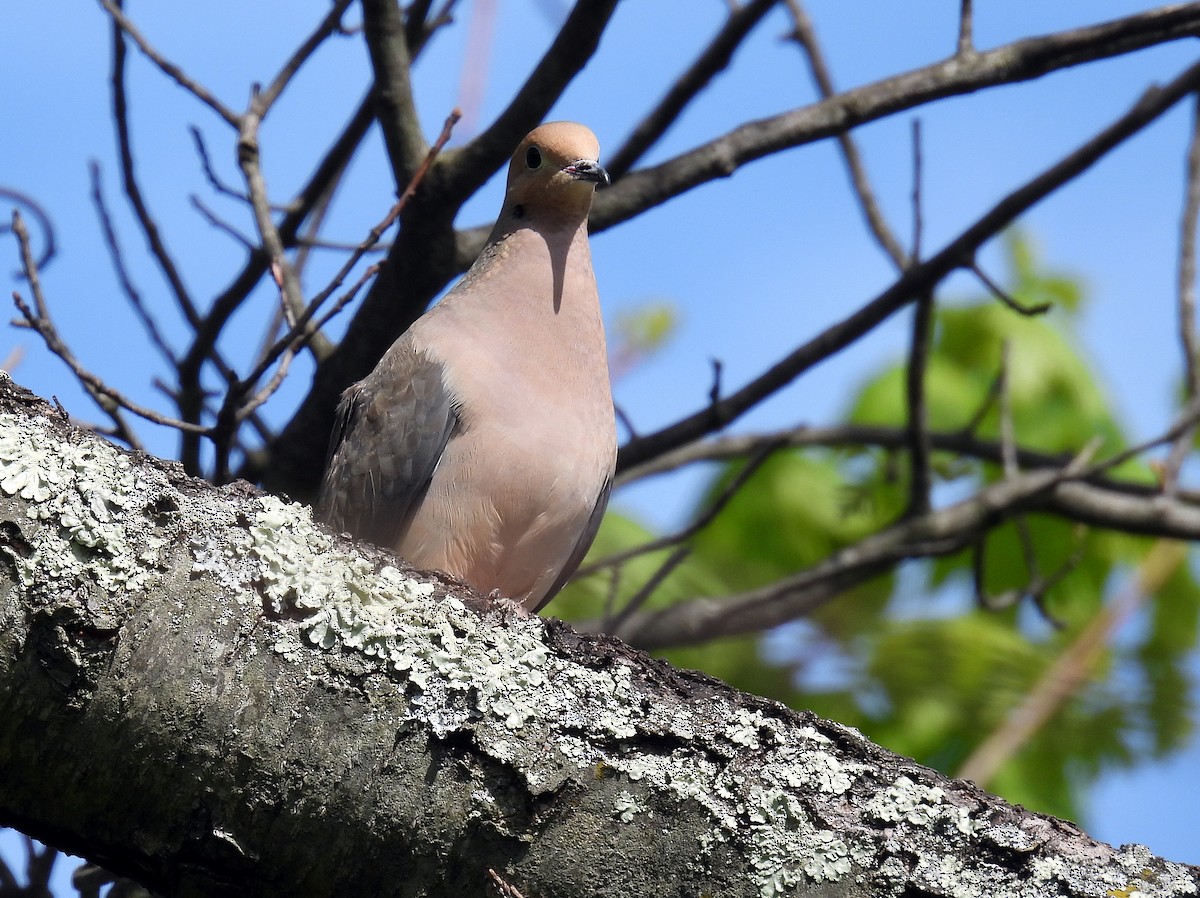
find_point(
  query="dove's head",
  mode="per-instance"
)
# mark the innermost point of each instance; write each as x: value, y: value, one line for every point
x: 554, y: 173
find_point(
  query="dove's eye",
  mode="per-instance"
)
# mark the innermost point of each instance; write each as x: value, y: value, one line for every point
x: 533, y: 158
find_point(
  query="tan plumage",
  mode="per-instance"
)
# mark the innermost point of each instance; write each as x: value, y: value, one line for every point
x: 483, y: 443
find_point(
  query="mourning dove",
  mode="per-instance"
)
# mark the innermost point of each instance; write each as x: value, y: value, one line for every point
x: 483, y: 443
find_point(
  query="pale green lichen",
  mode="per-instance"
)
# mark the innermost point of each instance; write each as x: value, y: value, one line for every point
x: 75, y: 495
x: 627, y: 806
x: 386, y: 616
x: 906, y: 800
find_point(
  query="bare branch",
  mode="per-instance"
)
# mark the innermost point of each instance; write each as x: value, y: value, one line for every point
x: 1019, y: 61
x: 376, y: 233
x: 118, y: 259
x: 850, y: 436
x: 470, y: 166
x: 328, y: 171
x: 966, y: 29
x: 394, y: 107
x: 1186, y: 302
x: 34, y: 208
x: 235, y: 409
x: 915, y: 280
x: 753, y: 463
x: 714, y: 59
x: 806, y: 37
x: 221, y: 225
x: 920, y: 346
x: 133, y: 191
x: 331, y: 24
x: 1007, y: 298
x: 939, y: 532
x: 256, y: 186
x: 38, y: 318
x: 168, y: 68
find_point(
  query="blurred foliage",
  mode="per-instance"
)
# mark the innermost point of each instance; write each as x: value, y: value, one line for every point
x: 911, y: 658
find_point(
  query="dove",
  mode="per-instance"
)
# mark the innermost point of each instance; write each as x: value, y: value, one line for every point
x: 483, y: 444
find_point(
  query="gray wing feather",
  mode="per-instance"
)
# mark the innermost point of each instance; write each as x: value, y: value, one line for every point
x: 581, y: 547
x: 392, y: 428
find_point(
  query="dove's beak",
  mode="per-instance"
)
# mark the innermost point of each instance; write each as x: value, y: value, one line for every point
x: 587, y: 170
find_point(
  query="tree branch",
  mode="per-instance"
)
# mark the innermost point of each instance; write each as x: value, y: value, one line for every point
x: 714, y: 59
x: 1019, y: 61
x: 268, y: 710
x: 394, y: 104
x: 914, y: 281
x: 806, y: 37
x: 466, y: 169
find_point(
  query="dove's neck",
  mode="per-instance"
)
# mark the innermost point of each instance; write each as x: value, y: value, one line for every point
x: 539, y: 269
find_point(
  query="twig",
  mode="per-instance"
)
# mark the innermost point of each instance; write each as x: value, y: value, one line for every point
x: 731, y: 489
x: 1036, y: 588
x: 714, y: 59
x: 918, y: 222
x: 34, y: 208
x: 966, y: 29
x: 380, y: 229
x: 118, y: 259
x: 985, y: 405
x: 638, y: 599
x: 919, y: 452
x: 168, y: 68
x: 133, y: 190
x: 624, y: 420
x: 1007, y: 298
x: 331, y: 24
x: 1186, y: 302
x: 319, y: 346
x: 234, y: 409
x: 1037, y: 585
x: 805, y: 36
x: 1008, y: 433
x: 849, y: 436
x: 914, y: 281
x: 300, y: 333
x: 214, y: 180
x: 220, y: 224
x: 38, y: 318
x: 919, y: 449
x: 248, y: 154
x: 210, y: 173
x: 191, y: 402
x: 1071, y: 669
x: 328, y: 171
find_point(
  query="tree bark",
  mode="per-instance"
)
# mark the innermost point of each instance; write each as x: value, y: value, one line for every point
x: 203, y: 691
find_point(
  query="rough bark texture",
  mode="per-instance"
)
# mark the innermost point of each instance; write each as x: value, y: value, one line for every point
x: 201, y: 690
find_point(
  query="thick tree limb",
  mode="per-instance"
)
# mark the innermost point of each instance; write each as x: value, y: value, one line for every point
x: 395, y: 108
x: 244, y: 705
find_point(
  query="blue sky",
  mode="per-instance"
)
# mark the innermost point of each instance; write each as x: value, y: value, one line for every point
x: 754, y: 263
